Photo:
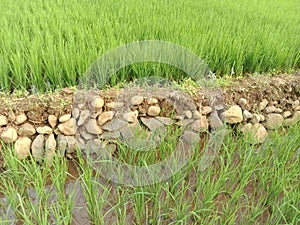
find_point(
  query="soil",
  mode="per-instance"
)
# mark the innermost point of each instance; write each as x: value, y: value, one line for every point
x: 276, y: 89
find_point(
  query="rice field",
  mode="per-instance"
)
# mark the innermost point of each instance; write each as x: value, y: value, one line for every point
x: 51, y: 44
x: 48, y: 45
x: 244, y: 185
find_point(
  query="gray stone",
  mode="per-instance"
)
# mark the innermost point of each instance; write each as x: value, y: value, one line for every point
x: 256, y: 133
x: 272, y: 109
x: 233, y: 115
x: 200, y: 125
x: 26, y: 129
x: 62, y: 144
x: 96, y: 112
x: 114, y: 124
x: 247, y: 114
x: 273, y: 121
x: 188, y: 114
x: 9, y: 136
x: 293, y: 120
x: 196, y: 115
x: 38, y: 148
x: 20, y: 119
x: 44, y: 130
x: 190, y: 137
x: 50, y: 147
x: 105, y: 117
x: 84, y: 115
x: 81, y: 105
x: 85, y: 135
x: 76, y: 113
x: 110, y: 135
x: 3, y: 120
x: 131, y: 116
x: 52, y: 119
x: 92, y: 127
x: 255, y: 118
x: 130, y: 130
x: 165, y: 120
x: 242, y: 102
x: 151, y: 123
x: 64, y: 118
x: 72, y: 144
x: 137, y: 100
x: 263, y: 104
x: 68, y: 128
x: 153, y: 110
x: 214, y: 120
x: 219, y: 108
x: 22, y: 147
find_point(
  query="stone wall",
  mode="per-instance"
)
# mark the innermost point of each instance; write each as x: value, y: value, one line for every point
x: 98, y: 119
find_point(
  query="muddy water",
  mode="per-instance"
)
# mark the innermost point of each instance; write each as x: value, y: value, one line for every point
x: 79, y: 212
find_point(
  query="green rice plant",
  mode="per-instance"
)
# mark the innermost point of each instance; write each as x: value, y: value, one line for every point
x: 245, y: 184
x: 52, y: 45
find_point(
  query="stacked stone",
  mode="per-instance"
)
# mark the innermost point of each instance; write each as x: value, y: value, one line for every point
x: 97, y: 121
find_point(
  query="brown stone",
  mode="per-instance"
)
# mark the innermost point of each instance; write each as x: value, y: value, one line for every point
x: 22, y: 147
x: 9, y: 135
x: 69, y: 127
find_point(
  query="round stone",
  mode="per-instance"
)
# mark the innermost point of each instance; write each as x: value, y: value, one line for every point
x: 131, y: 116
x: 105, y: 117
x: 52, y: 120
x: 206, y: 110
x: 153, y: 110
x: 137, y: 100
x: 188, y: 114
x: 242, y: 102
x: 152, y: 101
x: 273, y: 121
x: 114, y: 105
x: 9, y: 136
x: 200, y: 125
x: 196, y: 115
x: 263, y: 104
x: 233, y: 115
x: 92, y: 127
x: 64, y: 118
x: 286, y: 114
x: 22, y: 147
x: 247, y: 114
x: 68, y: 128
x: 97, y: 103
x: 44, y: 130
x: 20, y: 119
x: 26, y: 129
